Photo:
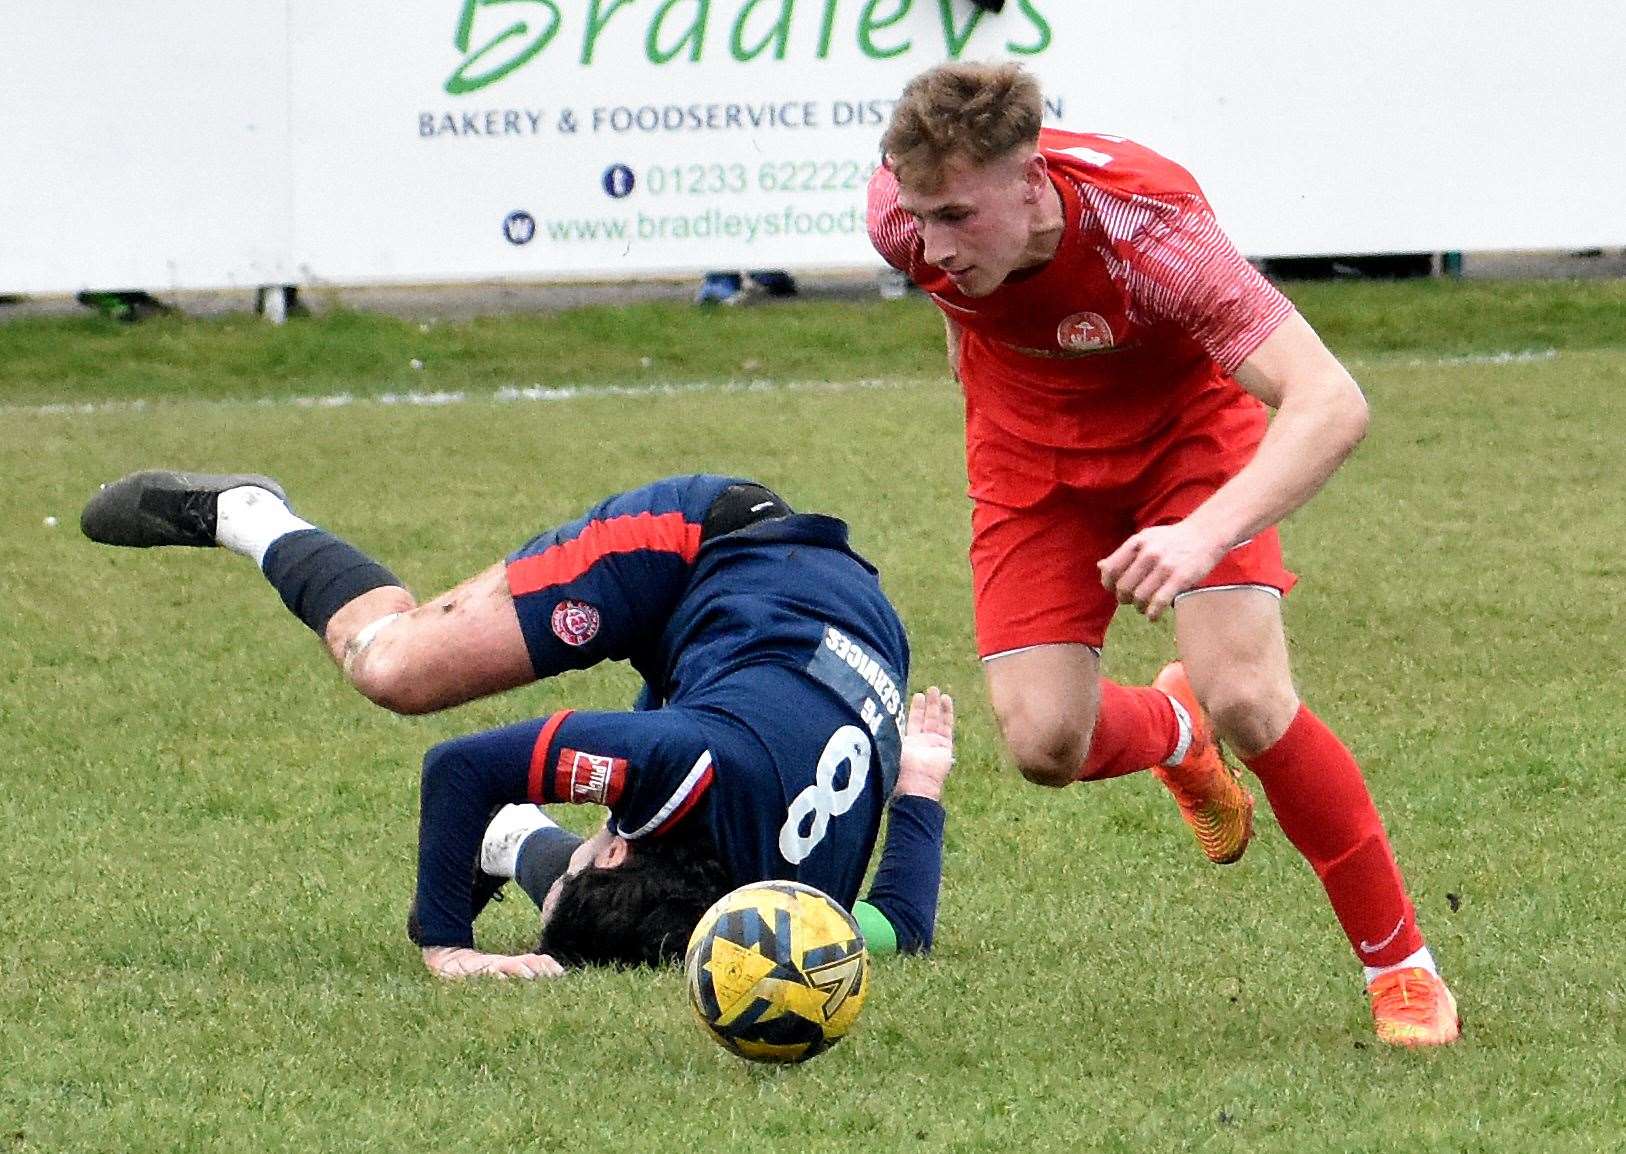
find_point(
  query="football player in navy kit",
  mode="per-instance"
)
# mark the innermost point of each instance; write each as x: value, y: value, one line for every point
x: 774, y: 730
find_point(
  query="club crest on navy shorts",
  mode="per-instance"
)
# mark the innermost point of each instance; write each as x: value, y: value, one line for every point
x: 575, y: 622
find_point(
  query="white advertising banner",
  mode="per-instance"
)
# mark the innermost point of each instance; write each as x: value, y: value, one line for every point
x: 610, y: 136
x: 441, y: 140
x: 144, y: 145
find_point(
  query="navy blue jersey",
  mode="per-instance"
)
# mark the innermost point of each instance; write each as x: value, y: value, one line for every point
x: 775, y: 673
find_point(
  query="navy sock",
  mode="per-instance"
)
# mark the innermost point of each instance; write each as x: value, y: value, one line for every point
x: 317, y: 574
x: 543, y: 860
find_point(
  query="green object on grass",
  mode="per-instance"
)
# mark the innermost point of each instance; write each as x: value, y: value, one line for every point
x: 879, y: 935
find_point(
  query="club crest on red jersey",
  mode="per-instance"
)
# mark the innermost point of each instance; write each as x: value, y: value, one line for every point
x: 582, y: 778
x: 1084, y: 332
x: 575, y: 622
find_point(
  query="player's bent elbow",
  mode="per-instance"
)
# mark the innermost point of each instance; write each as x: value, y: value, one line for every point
x: 1352, y: 415
x: 1358, y: 420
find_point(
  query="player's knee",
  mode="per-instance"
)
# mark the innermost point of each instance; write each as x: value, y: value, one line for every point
x: 439, y: 763
x: 386, y: 680
x: 1250, y: 711
x: 443, y: 765
x: 1048, y: 752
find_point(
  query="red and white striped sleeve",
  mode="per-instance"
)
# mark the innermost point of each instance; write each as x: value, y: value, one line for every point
x: 891, y: 230
x: 1178, y: 266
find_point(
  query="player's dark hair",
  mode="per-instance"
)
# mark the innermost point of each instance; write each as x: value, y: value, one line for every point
x: 642, y: 912
x: 962, y: 108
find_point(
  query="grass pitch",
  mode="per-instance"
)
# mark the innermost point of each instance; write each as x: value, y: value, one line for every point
x: 208, y: 842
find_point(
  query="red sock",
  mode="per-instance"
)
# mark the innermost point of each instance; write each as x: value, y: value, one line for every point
x: 1323, y: 806
x: 1134, y: 730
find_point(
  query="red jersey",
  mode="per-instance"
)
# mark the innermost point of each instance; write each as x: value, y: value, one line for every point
x: 1140, y: 317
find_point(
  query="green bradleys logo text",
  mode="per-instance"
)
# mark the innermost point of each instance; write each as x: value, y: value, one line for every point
x: 497, y: 37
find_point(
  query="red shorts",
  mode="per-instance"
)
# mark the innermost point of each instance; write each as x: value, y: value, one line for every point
x: 1043, y: 518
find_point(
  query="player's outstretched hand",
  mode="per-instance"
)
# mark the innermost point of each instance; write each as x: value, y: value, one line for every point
x: 1156, y: 565
x: 928, y: 746
x: 463, y: 962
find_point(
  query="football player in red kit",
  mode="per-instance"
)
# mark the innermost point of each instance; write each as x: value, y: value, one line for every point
x: 1119, y: 358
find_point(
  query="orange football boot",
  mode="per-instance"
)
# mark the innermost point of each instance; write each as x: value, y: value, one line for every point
x: 1413, y: 1007
x: 1213, y: 800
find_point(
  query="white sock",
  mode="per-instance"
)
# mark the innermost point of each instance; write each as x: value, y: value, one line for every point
x: 499, y: 849
x: 249, y: 519
x: 1422, y: 960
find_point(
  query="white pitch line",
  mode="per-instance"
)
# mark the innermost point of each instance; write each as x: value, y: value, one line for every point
x: 1522, y: 357
x: 508, y: 394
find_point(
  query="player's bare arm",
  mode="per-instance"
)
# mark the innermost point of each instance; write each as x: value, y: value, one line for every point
x: 951, y: 335
x: 1320, y: 417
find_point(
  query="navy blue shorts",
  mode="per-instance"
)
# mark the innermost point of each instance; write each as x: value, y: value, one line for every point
x: 649, y: 768
x: 602, y: 586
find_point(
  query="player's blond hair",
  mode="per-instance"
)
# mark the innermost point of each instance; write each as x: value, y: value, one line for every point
x: 970, y: 110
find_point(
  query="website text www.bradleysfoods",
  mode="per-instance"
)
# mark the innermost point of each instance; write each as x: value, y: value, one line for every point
x: 707, y: 225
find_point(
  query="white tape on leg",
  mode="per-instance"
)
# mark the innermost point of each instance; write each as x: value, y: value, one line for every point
x: 364, y: 637
x: 1182, y: 746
